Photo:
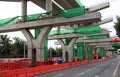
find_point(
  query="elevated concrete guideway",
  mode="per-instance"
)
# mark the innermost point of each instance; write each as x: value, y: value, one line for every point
x: 75, y: 35
x: 96, y: 40
x: 98, y: 44
x: 90, y: 17
x: 68, y: 48
x: 66, y: 4
x: 81, y: 35
x: 105, y: 45
x: 103, y: 21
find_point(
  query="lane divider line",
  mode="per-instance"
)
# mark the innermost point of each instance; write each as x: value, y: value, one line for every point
x: 77, y: 75
x: 116, y: 69
x: 59, y: 75
x: 96, y: 76
x: 85, y: 72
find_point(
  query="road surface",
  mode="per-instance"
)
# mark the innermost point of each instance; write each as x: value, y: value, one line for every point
x: 99, y: 69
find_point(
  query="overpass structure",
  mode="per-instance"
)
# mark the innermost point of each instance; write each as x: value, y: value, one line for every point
x: 75, y: 36
x: 103, y: 21
x: 36, y: 45
x: 69, y: 48
x: 107, y: 45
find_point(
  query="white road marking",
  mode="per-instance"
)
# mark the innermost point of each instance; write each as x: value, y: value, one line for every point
x: 96, y: 76
x: 59, y: 75
x: 77, y: 75
x: 85, y: 72
x: 80, y: 74
x: 116, y: 69
x: 91, y: 69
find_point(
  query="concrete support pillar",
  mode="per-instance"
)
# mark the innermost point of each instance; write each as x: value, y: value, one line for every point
x: 48, y: 5
x: 30, y: 39
x: 68, y: 48
x: 40, y: 41
x: 63, y: 48
x: 24, y: 7
x: 36, y: 44
x: 24, y: 13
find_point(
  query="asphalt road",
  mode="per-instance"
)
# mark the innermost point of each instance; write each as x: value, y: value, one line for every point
x: 98, y: 69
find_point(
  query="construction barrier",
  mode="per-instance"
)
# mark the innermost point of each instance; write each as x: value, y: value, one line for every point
x: 13, y: 64
x: 34, y: 71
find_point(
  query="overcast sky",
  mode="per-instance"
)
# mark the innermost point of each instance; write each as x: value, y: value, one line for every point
x: 11, y: 9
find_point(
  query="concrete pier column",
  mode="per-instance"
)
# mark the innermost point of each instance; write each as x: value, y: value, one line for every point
x: 67, y: 48
x: 48, y: 5
x: 40, y: 41
x: 70, y: 50
x: 24, y: 7
x: 63, y: 48
x: 36, y: 46
x: 70, y: 53
x: 30, y: 39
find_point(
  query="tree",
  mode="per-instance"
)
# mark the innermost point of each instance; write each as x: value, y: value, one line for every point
x: 59, y: 52
x: 117, y: 26
x: 5, y: 46
x: 52, y: 52
x: 18, y: 46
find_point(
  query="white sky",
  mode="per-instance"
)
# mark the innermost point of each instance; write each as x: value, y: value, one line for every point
x: 11, y: 9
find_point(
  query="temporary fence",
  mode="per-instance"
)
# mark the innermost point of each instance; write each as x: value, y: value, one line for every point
x: 16, y: 64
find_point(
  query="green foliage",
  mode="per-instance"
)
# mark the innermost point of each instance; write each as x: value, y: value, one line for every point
x: 117, y: 26
x: 59, y: 52
x: 52, y: 52
x: 55, y: 52
x: 18, y: 46
x: 5, y: 46
x: 8, y: 48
